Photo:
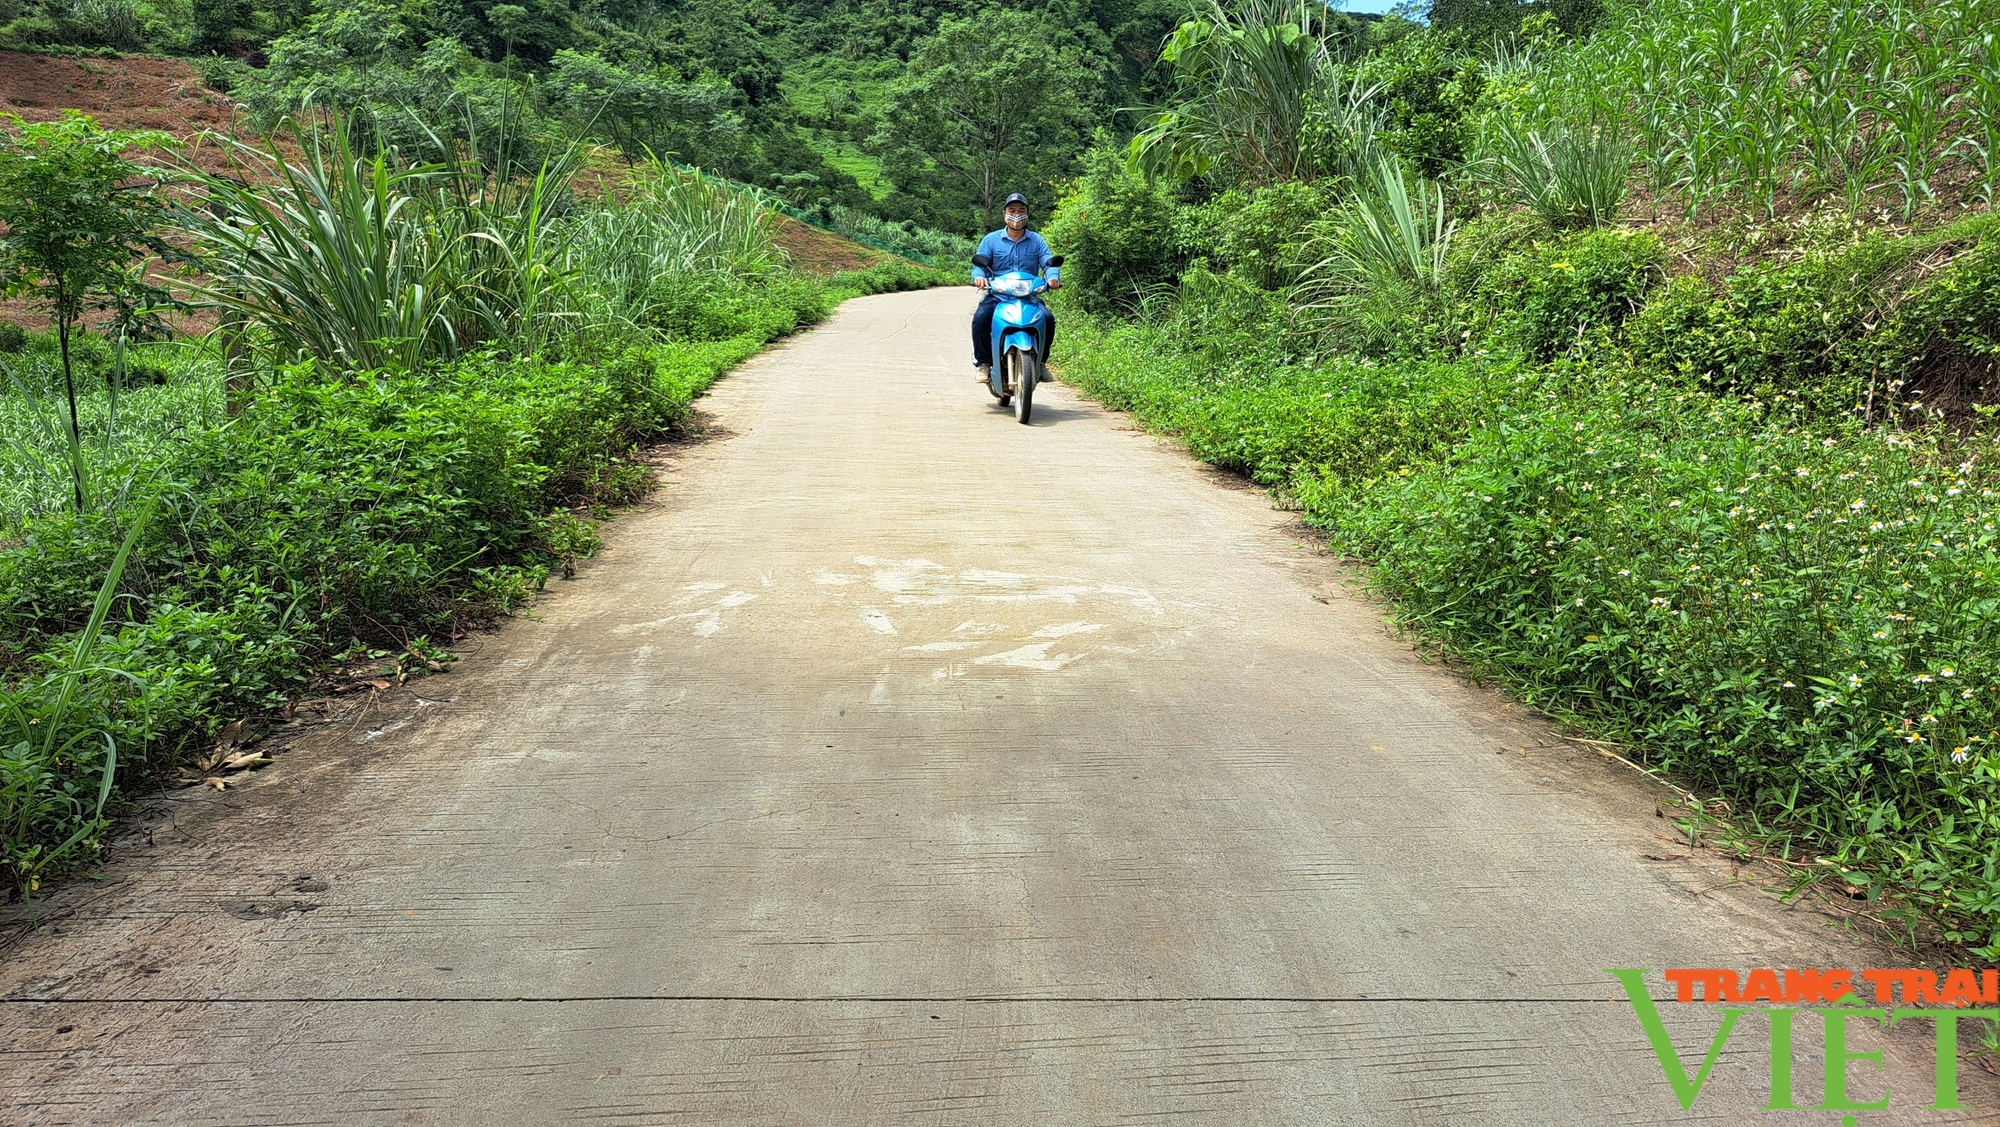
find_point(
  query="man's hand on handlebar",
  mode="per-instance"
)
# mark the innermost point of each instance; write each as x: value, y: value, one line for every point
x: 1055, y: 283
x: 979, y: 283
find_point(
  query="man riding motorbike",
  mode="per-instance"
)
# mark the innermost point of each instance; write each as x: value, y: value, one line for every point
x: 1012, y: 247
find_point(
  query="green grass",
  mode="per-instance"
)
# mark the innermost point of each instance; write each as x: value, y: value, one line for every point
x: 123, y: 430
x: 847, y: 157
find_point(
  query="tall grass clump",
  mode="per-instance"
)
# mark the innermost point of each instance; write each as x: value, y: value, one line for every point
x: 1571, y: 176
x: 377, y: 261
x: 1386, y: 252
x: 675, y: 229
x: 53, y: 741
x: 1762, y: 100
x: 1248, y: 76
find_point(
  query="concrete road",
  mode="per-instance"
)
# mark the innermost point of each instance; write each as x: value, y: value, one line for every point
x: 902, y: 764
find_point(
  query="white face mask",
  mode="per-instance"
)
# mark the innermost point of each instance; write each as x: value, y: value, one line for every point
x: 1016, y: 222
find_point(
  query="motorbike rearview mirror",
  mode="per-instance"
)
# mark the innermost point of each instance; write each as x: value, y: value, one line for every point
x: 1055, y: 260
x: 983, y: 261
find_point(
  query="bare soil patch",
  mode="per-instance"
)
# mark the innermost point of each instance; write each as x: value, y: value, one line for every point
x: 822, y: 253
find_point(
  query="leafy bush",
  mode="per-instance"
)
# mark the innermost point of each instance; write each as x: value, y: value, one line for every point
x: 1117, y: 234
x: 1883, y: 327
x: 1941, y: 345
x: 1799, y: 329
x: 1573, y: 293
x: 222, y: 74
x: 1227, y: 320
x: 1429, y: 84
x: 1262, y: 234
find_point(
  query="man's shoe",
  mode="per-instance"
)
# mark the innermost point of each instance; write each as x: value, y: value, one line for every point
x: 983, y: 373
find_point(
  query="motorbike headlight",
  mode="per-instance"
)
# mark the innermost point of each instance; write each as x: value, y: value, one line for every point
x: 1014, y: 287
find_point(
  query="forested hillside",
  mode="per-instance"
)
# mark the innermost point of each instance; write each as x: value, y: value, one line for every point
x: 813, y: 100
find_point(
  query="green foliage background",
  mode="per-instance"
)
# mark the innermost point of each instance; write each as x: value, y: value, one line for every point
x: 787, y: 97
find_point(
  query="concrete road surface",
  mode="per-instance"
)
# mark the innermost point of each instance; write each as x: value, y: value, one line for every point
x: 903, y: 764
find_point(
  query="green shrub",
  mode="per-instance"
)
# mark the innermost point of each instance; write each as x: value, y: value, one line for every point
x: 1263, y: 235
x: 220, y: 73
x: 332, y: 512
x: 1380, y: 288
x: 1941, y: 344
x: 1805, y: 621
x: 1429, y: 84
x: 1797, y: 330
x: 706, y: 307
x: 1570, y: 294
x: 1228, y: 320
x: 1117, y: 235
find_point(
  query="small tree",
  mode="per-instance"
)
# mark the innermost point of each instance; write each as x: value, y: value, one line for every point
x: 992, y: 100
x: 77, y: 222
x: 639, y: 110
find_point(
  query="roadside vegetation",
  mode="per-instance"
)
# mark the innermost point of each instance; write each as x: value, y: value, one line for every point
x: 407, y: 383
x: 1647, y: 352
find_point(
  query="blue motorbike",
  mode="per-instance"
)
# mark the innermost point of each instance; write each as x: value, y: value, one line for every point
x: 1022, y: 330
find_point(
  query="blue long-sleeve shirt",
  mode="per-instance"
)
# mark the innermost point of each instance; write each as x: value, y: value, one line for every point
x: 1029, y: 254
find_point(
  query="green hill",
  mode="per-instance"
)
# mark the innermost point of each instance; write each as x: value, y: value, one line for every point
x: 796, y: 98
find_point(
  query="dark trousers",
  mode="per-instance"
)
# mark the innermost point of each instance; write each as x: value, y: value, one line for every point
x: 982, y: 328
x: 982, y: 331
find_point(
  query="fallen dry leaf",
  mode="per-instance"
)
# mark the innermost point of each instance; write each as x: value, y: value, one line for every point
x: 249, y: 760
x: 379, y: 683
x: 218, y: 784
x: 226, y: 743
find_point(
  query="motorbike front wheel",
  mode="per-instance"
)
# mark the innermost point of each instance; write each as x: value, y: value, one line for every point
x: 1021, y: 366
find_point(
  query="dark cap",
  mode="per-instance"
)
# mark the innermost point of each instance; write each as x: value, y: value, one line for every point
x: 1014, y: 197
